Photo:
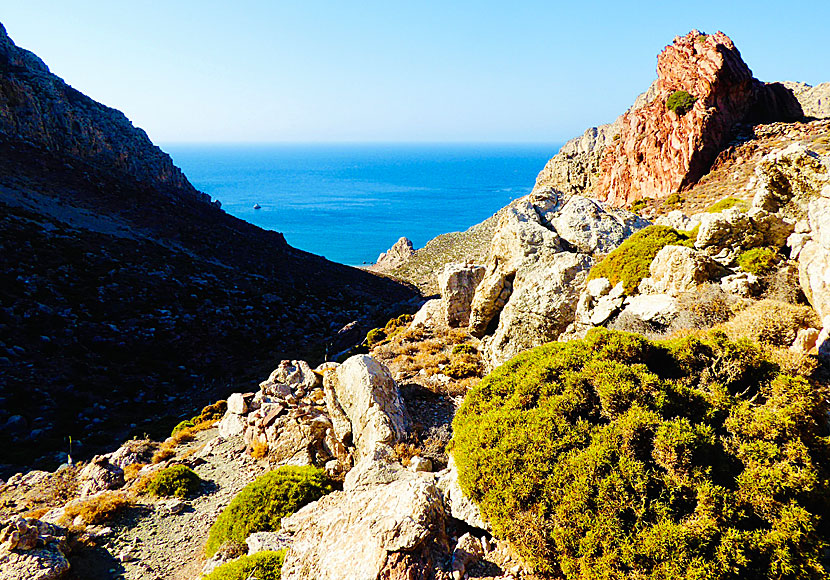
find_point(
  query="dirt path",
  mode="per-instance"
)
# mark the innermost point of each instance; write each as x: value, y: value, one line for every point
x: 167, y: 546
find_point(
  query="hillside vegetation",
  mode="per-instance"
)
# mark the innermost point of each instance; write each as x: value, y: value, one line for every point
x: 617, y: 457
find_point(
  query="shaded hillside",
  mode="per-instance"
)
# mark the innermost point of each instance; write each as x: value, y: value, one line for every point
x: 128, y: 299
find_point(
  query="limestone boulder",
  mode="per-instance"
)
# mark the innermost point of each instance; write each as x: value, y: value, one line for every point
x: 788, y: 178
x: 541, y: 306
x: 678, y: 220
x: 456, y: 503
x: 814, y: 258
x: 742, y: 284
x: 231, y: 425
x: 678, y: 269
x: 590, y: 226
x: 364, y: 404
x: 723, y: 235
x: 655, y: 309
x: 296, y: 374
x: 100, y: 475
x: 429, y: 315
x: 32, y: 549
x: 391, y: 532
x: 523, y: 233
x: 458, y: 284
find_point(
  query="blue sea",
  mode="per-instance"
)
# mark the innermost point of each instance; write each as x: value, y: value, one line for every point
x: 351, y: 202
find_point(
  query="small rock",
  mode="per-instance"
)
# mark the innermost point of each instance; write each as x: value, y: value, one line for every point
x: 419, y: 463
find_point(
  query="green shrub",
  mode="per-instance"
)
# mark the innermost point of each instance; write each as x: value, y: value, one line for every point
x: 639, y: 205
x: 375, y: 336
x: 461, y: 369
x: 680, y: 102
x: 262, y: 566
x: 758, y: 261
x: 629, y: 263
x: 178, y: 480
x: 618, y: 457
x: 726, y: 203
x: 182, y: 425
x: 464, y: 350
x: 261, y: 505
x: 674, y: 199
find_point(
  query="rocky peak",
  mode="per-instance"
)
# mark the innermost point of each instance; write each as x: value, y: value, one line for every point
x: 39, y: 108
x: 659, y: 151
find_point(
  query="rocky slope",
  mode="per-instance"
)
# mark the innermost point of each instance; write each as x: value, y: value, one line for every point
x: 39, y: 108
x: 745, y: 251
x: 129, y: 299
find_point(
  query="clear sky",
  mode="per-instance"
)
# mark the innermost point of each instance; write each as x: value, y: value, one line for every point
x: 386, y: 70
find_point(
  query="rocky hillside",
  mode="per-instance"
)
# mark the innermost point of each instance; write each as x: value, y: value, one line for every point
x: 595, y: 392
x: 39, y: 108
x: 129, y: 300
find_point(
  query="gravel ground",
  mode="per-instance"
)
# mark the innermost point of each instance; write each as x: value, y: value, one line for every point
x: 168, y: 546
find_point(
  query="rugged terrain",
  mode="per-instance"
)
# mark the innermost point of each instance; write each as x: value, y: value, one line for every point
x: 129, y: 298
x: 604, y: 385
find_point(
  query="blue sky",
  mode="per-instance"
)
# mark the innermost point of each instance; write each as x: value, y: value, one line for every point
x: 306, y: 70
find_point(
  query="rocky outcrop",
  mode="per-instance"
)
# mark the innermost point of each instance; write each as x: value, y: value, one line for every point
x: 815, y: 101
x: 537, y: 266
x: 458, y: 283
x: 32, y: 550
x: 99, y: 475
x: 678, y: 269
x: 787, y: 179
x: 38, y: 107
x: 814, y: 257
x: 660, y: 151
x: 365, y: 405
x: 723, y: 235
x: 395, y: 256
x: 394, y: 532
x: 590, y: 226
x: 575, y: 169
x: 541, y: 306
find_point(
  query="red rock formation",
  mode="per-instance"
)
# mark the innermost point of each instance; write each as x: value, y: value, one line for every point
x: 660, y: 152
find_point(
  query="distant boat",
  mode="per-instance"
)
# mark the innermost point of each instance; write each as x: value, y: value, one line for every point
x: 257, y: 206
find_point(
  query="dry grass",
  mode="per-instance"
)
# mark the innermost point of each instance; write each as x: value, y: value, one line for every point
x: 406, y: 451
x: 131, y: 471
x: 98, y: 509
x: 771, y: 322
x: 259, y: 450
x: 168, y: 449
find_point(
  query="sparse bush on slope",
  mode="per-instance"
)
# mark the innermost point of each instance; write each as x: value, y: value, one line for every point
x: 629, y: 263
x: 177, y: 480
x: 617, y: 457
x: 262, y: 566
x: 261, y: 505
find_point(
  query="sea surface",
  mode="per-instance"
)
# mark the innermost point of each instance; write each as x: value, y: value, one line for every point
x: 351, y: 202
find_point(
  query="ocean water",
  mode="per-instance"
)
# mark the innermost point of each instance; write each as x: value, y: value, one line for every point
x: 349, y: 203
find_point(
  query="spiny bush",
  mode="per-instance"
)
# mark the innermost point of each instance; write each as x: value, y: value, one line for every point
x: 618, y: 457
x: 727, y: 203
x: 758, y: 261
x: 261, y: 505
x: 177, y: 480
x: 680, y: 102
x: 262, y: 565
x: 674, y: 199
x: 374, y: 337
x: 97, y: 509
x: 464, y: 349
x: 772, y: 322
x: 629, y: 263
